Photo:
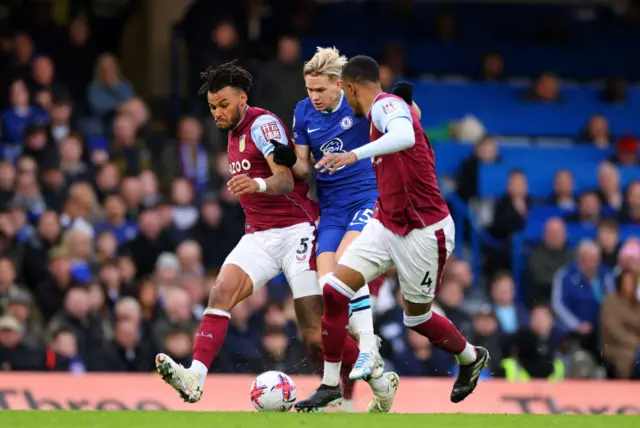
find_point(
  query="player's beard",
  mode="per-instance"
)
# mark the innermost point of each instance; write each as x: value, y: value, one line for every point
x: 233, y: 121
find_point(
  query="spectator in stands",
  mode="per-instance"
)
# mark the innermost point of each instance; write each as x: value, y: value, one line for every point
x: 149, y: 189
x: 42, y: 80
x: 615, y: 91
x: 387, y: 78
x: 65, y: 349
x: 149, y: 302
x: 450, y: 297
x: 608, y: 239
x: 282, y: 85
x: 127, y: 151
x: 35, y: 256
x: 184, y: 211
x: 127, y: 352
x: 7, y: 184
x: 511, y: 211
x: 486, y: 152
x: 210, y: 233
x: 611, y: 195
x: 109, y: 89
x: 15, y: 119
x: 20, y: 65
x: 486, y: 332
x: 8, y: 286
x: 131, y: 191
x: 189, y: 256
x: 223, y: 46
x: 61, y: 112
x: 626, y: 151
x: 147, y: 246
x: 597, y: 132
x: 563, y: 191
x: 546, y: 89
x: 469, y: 128
x: 589, y: 210
x: 20, y: 305
x: 578, y: 292
x: 460, y: 271
x: 116, y: 221
x: 107, y: 180
x: 620, y: 319
x: 15, y: 355
x: 76, y: 315
x: 71, y: 163
x: 630, y: 212
x: 187, y: 157
x: 533, y: 350
x: 629, y: 257
x: 177, y: 313
x: 77, y: 59
x: 492, y: 67
x: 511, y: 316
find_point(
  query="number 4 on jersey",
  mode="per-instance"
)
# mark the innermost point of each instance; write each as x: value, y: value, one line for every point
x: 427, y: 280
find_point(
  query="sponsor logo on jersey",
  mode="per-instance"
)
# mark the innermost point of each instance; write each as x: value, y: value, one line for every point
x: 346, y: 122
x: 389, y: 107
x: 333, y: 146
x: 242, y: 143
x: 271, y: 131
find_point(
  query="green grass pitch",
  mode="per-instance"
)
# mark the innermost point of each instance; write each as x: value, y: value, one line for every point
x: 138, y: 419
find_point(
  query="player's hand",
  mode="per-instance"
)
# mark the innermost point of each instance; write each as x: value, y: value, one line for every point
x: 242, y: 185
x: 404, y: 90
x: 283, y: 154
x: 332, y: 161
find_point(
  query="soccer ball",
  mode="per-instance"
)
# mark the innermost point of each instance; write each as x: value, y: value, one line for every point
x: 273, y: 391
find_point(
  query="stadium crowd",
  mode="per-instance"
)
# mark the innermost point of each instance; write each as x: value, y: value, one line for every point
x: 112, y: 233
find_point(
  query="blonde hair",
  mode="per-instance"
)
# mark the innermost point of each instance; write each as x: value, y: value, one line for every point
x: 326, y: 62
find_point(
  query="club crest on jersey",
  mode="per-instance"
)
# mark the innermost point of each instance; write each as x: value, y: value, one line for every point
x: 241, y: 143
x: 271, y: 131
x: 346, y: 122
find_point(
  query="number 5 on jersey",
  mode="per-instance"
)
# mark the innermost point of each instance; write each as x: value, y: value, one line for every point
x: 301, y: 252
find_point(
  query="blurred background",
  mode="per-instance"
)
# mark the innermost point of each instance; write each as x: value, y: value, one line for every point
x: 114, y: 217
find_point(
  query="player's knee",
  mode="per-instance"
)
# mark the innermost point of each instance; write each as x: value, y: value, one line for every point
x: 413, y: 321
x: 225, y: 295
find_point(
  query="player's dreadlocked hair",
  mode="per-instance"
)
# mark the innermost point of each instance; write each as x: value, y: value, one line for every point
x: 228, y: 74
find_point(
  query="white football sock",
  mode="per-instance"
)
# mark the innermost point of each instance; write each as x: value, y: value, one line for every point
x: 361, y: 319
x: 331, y: 376
x: 201, y: 369
x: 468, y: 355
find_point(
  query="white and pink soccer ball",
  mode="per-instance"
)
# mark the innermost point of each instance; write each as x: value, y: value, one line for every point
x: 273, y: 391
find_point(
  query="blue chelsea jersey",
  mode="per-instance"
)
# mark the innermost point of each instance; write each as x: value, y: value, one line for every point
x: 336, y: 132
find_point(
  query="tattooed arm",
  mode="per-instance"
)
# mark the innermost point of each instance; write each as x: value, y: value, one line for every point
x: 281, y: 180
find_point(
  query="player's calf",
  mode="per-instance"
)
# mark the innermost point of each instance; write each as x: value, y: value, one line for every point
x: 442, y: 333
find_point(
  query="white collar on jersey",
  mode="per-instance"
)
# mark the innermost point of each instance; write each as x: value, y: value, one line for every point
x: 337, y: 105
x: 242, y: 118
x: 374, y: 101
